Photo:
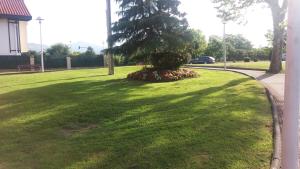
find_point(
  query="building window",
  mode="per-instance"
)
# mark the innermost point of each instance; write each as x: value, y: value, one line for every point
x: 14, y: 36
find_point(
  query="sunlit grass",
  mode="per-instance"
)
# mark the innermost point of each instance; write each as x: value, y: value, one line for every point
x: 84, y: 119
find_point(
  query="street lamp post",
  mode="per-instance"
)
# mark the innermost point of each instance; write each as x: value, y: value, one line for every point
x: 224, y: 46
x: 290, y: 146
x: 41, y: 41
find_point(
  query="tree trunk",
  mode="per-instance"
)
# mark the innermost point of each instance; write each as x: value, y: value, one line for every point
x: 109, y: 33
x: 276, y: 59
x: 278, y: 14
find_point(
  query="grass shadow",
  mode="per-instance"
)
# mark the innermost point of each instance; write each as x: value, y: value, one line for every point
x: 126, y: 124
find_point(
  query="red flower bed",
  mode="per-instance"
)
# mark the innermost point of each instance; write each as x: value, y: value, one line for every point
x: 153, y: 75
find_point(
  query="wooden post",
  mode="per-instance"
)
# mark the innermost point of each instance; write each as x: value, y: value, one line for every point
x: 224, y: 46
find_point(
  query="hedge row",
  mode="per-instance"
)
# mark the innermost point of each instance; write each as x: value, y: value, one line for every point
x: 12, y: 62
x: 81, y: 61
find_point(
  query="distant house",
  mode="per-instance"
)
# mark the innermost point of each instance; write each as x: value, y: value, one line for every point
x: 14, y: 16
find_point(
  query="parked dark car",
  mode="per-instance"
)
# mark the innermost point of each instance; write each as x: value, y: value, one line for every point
x: 203, y: 60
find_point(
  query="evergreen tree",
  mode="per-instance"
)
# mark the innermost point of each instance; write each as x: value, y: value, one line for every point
x: 152, y: 30
x: 90, y: 52
x: 58, y: 51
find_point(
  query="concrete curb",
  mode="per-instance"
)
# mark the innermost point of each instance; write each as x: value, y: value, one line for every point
x: 276, y: 155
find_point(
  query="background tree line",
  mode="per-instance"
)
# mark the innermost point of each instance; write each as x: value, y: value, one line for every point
x: 238, y: 48
x: 234, y: 10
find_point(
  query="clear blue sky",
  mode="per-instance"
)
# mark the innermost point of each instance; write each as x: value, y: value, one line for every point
x: 84, y: 20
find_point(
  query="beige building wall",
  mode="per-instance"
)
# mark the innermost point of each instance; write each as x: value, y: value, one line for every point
x: 23, y: 36
x: 4, y: 40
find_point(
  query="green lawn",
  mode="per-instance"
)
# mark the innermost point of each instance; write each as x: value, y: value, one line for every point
x: 252, y: 65
x: 83, y: 119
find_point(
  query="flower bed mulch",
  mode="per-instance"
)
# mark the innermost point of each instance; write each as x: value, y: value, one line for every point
x: 153, y: 75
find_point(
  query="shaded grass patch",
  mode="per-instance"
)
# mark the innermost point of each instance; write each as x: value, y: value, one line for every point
x: 84, y: 119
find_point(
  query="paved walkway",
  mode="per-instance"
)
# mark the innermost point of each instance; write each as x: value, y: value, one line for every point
x: 275, y: 83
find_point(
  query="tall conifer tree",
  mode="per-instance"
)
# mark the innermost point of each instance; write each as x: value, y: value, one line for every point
x: 152, y: 30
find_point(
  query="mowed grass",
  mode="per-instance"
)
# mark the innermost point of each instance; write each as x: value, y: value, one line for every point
x: 264, y: 65
x: 83, y: 119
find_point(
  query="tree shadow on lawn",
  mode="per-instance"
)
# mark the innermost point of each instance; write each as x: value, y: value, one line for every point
x: 126, y: 124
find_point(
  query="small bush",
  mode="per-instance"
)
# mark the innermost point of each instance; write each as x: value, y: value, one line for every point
x: 119, y: 60
x: 247, y: 59
x: 255, y: 60
x: 155, y: 75
x: 168, y: 60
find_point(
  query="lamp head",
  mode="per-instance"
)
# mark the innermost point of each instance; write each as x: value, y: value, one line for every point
x: 39, y: 19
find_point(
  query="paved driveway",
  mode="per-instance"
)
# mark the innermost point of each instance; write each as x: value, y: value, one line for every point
x: 275, y: 83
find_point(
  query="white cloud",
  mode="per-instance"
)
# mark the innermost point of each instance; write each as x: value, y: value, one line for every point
x: 78, y: 20
x: 202, y: 15
x: 68, y: 20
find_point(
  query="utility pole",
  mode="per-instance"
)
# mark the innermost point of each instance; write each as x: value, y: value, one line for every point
x: 290, y: 146
x: 41, y: 43
x: 224, y: 46
x: 109, y: 33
